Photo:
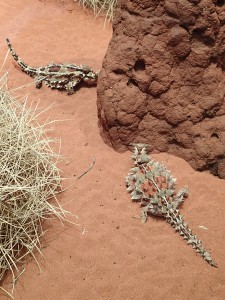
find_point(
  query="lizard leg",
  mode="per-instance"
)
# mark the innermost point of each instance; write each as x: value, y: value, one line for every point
x: 38, y: 81
x: 70, y: 86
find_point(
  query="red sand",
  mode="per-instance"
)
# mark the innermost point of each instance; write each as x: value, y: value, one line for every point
x: 117, y: 257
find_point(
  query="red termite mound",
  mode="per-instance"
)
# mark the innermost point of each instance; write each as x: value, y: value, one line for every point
x: 163, y: 80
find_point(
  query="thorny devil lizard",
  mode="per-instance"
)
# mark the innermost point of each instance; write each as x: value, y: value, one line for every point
x: 58, y: 76
x: 151, y: 183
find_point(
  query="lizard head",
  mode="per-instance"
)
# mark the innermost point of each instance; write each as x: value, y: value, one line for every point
x: 89, y: 76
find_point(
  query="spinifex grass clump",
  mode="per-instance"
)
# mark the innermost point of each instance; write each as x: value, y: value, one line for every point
x: 105, y: 6
x: 150, y: 183
x: 29, y: 178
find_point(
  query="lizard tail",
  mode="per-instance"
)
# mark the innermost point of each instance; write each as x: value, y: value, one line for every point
x: 22, y: 64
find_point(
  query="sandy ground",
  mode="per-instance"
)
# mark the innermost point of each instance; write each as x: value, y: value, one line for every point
x: 112, y: 255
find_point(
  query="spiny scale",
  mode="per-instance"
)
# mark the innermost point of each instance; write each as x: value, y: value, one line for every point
x: 58, y: 76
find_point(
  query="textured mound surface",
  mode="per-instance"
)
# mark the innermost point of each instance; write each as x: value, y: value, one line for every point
x: 163, y: 80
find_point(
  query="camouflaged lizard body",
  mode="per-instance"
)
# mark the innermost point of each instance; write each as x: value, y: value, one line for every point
x: 58, y: 76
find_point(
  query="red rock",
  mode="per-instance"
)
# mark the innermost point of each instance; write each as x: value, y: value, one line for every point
x: 163, y: 80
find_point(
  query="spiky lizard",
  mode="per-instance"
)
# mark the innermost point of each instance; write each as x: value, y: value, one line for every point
x: 57, y: 76
x: 151, y: 183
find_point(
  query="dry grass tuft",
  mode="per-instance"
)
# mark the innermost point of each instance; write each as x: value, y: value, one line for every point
x: 99, y: 6
x: 29, y: 178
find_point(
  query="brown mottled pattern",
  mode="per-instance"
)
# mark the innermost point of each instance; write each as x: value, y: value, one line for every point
x: 58, y: 76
